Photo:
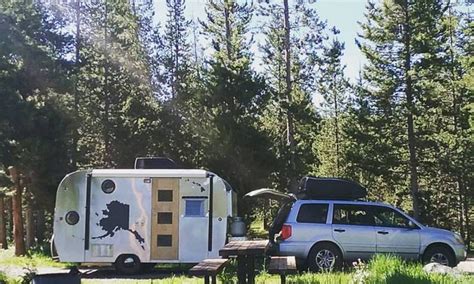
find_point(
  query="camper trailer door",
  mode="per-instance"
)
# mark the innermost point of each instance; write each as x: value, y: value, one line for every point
x: 165, y: 218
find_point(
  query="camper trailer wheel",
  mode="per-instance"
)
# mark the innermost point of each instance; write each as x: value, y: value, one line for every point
x: 128, y: 264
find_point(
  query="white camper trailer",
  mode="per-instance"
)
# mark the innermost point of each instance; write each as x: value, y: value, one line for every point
x: 133, y: 217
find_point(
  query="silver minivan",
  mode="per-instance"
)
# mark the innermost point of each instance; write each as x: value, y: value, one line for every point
x: 322, y: 234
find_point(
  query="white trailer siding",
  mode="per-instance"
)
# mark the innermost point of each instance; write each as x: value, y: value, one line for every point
x: 107, y: 241
x: 71, y: 196
x: 121, y: 222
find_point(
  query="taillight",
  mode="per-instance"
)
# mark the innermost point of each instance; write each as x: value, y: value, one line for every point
x: 285, y: 232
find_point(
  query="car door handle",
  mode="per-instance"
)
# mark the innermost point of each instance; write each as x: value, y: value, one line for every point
x: 382, y: 232
x: 339, y: 230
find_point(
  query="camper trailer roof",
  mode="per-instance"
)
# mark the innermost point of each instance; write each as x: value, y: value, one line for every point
x: 150, y: 173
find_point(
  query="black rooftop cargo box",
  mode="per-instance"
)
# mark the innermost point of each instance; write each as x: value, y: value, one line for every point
x: 154, y: 163
x: 330, y: 188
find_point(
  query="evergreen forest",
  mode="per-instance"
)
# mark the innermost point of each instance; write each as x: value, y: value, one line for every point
x: 255, y: 91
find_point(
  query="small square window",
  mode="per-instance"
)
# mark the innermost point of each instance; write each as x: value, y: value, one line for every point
x: 165, y: 218
x: 165, y: 195
x: 194, y: 208
x: 164, y: 241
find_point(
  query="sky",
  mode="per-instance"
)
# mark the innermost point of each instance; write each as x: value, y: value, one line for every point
x: 344, y: 14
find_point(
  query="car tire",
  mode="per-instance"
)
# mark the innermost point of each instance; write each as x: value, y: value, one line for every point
x: 439, y: 254
x: 324, y: 257
x: 128, y: 264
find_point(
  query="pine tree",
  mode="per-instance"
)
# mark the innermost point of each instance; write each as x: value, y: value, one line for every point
x: 234, y: 99
x: 118, y: 109
x: 401, y: 41
x: 34, y: 122
x: 291, y: 68
x: 334, y: 87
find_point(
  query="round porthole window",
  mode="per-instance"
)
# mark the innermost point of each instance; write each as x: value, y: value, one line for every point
x: 72, y: 217
x: 108, y: 186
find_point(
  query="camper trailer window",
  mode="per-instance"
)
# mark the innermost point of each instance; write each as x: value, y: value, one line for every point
x: 165, y: 218
x: 194, y: 208
x: 108, y: 186
x: 72, y: 217
x: 164, y: 241
x: 165, y: 195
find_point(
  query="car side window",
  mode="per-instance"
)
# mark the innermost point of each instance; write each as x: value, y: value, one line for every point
x: 352, y: 215
x: 387, y: 217
x: 313, y: 213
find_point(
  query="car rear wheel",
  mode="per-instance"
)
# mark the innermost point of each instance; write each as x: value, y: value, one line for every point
x: 128, y: 264
x: 439, y: 254
x: 324, y: 257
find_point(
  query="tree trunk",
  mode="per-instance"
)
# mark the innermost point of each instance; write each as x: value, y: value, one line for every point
x: 290, y: 141
x: 336, y: 122
x: 107, y: 142
x: 9, y: 207
x: 18, y: 230
x: 3, y: 221
x: 40, y: 226
x: 75, y: 133
x: 227, y: 5
x: 30, y: 227
x: 413, y: 162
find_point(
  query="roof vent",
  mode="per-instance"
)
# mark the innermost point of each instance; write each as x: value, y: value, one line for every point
x: 154, y: 163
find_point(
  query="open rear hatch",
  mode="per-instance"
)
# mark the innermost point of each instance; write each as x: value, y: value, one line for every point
x: 269, y: 193
x: 286, y: 199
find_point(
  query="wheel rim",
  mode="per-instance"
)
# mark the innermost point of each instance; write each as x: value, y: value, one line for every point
x: 129, y: 262
x: 439, y: 258
x: 325, y: 259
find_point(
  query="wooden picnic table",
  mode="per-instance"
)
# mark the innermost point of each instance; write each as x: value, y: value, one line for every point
x: 245, y: 252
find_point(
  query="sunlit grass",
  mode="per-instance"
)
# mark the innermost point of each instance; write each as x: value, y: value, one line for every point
x: 33, y: 259
x: 382, y: 269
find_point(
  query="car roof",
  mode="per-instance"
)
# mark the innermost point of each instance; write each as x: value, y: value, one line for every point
x: 353, y: 202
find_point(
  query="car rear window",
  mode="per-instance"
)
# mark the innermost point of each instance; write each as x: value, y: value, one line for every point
x: 313, y: 213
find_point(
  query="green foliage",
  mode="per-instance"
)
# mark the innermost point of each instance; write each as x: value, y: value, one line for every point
x: 408, y: 120
x: 307, y: 32
x: 331, y: 143
x: 390, y: 269
x: 98, y: 84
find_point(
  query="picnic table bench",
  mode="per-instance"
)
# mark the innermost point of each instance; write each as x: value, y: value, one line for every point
x: 208, y: 268
x: 282, y: 265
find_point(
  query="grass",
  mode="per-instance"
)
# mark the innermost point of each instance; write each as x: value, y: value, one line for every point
x: 382, y: 269
x: 32, y: 259
x: 386, y: 269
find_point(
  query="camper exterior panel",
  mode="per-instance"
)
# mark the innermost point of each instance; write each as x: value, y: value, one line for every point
x: 120, y: 219
x: 121, y: 215
x: 70, y: 197
x: 219, y: 220
x: 193, y: 225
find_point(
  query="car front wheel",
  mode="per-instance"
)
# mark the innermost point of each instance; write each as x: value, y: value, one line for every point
x: 324, y: 257
x: 439, y: 254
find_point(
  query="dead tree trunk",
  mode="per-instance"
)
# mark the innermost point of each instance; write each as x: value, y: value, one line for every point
x: 290, y: 139
x: 3, y: 223
x: 18, y: 230
x: 413, y: 161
